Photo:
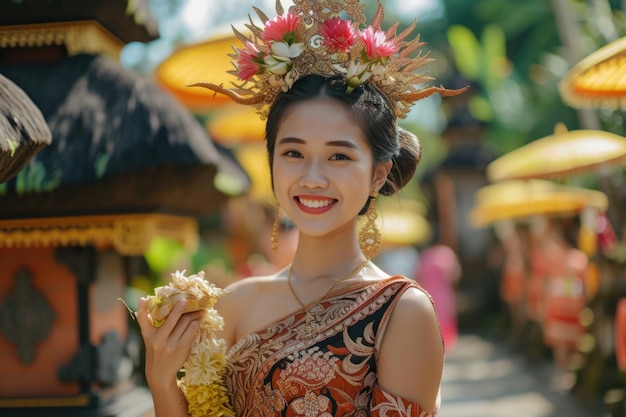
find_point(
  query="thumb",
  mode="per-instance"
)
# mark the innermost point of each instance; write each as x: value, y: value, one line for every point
x: 143, y: 317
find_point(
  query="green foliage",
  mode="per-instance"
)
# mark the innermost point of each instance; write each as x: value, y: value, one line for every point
x: 514, y: 53
x: 481, y: 109
x: 165, y: 255
x: 467, y: 51
x: 501, y: 99
x: 33, y: 178
x: 100, y: 164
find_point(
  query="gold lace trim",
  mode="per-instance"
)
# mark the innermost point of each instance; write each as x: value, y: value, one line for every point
x: 85, y: 36
x: 129, y: 234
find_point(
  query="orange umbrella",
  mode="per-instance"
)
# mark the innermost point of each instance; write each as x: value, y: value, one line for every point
x: 559, y: 155
x: 205, y: 61
x: 518, y: 199
x: 599, y: 80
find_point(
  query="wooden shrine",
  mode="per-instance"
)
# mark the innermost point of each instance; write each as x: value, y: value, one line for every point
x: 126, y: 164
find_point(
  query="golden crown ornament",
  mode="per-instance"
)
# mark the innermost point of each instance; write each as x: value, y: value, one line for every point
x: 328, y: 38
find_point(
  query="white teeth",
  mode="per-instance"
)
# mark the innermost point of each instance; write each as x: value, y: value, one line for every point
x: 315, y: 203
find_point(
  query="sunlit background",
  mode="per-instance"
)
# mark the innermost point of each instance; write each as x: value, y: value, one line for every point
x: 521, y: 178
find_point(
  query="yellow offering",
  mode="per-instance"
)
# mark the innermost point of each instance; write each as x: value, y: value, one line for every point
x: 204, y: 369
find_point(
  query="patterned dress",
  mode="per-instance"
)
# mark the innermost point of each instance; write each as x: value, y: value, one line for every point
x: 277, y: 372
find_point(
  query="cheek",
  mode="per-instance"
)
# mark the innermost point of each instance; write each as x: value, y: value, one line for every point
x: 357, y: 183
x: 281, y: 178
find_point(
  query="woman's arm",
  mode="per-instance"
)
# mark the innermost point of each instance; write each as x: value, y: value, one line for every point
x: 411, y: 357
x: 167, y: 347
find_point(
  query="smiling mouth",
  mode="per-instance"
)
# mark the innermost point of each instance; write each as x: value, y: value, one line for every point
x: 311, y: 203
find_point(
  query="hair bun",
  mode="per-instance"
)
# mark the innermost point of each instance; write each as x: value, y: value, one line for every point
x: 404, y: 162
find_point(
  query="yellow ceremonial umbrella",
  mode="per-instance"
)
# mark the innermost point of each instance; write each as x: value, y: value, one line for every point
x: 599, y: 80
x: 518, y: 199
x: 253, y: 159
x: 205, y: 61
x: 560, y: 155
x: 401, y: 221
x: 236, y: 124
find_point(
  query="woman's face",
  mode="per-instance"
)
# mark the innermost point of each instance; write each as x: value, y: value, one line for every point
x: 323, y: 167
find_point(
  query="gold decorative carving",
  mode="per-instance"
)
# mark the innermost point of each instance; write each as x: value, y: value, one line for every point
x: 85, y: 36
x: 129, y: 234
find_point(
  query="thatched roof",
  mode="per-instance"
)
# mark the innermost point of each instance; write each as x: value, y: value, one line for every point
x: 23, y: 129
x: 125, y: 22
x: 115, y: 135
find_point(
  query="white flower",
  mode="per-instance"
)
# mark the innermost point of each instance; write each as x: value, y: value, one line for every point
x: 357, y: 74
x: 378, y: 70
x: 278, y: 65
x: 282, y: 50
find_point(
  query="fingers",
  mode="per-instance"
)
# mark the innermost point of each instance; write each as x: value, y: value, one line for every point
x: 143, y: 318
x: 186, y: 326
x: 172, y: 318
x: 167, y: 346
x: 185, y: 332
x: 176, y: 326
x: 177, y: 323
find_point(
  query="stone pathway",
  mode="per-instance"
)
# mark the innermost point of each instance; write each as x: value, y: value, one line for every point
x: 487, y: 379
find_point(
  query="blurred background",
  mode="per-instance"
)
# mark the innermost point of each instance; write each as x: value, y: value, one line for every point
x: 114, y: 174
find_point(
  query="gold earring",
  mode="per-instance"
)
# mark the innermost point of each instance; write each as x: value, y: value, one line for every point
x: 369, y: 236
x: 275, y: 227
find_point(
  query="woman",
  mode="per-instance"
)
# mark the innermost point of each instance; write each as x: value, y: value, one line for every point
x: 331, y: 334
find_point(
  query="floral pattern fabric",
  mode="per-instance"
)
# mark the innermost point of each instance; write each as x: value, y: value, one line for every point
x: 272, y: 372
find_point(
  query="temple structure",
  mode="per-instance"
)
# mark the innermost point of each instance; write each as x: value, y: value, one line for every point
x: 126, y: 164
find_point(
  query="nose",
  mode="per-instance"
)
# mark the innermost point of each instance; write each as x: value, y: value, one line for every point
x: 313, y: 175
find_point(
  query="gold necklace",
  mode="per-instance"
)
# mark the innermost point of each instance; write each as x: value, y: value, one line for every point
x: 309, y: 329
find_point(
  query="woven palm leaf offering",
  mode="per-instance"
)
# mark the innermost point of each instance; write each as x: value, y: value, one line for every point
x: 203, y: 380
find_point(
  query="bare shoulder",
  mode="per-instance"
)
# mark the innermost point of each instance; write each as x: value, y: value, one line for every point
x: 415, y: 303
x: 244, y: 290
x: 243, y: 286
x: 410, y: 360
x: 413, y: 314
x: 242, y: 296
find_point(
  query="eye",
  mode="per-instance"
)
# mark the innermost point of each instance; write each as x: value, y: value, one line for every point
x: 339, y: 157
x: 293, y: 154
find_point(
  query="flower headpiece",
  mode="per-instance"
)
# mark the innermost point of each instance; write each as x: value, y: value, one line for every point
x: 328, y: 38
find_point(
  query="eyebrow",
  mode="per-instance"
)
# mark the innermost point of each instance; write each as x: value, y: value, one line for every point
x: 340, y: 143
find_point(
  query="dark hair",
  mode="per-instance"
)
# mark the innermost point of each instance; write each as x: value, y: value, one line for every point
x: 370, y: 111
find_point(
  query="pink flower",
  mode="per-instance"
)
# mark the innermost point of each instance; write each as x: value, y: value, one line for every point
x: 377, y: 45
x: 338, y: 34
x: 281, y: 28
x: 249, y: 61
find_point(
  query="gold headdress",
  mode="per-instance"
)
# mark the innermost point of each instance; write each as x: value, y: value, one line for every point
x: 325, y: 37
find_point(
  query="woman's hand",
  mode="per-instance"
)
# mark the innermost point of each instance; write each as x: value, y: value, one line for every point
x: 167, y: 346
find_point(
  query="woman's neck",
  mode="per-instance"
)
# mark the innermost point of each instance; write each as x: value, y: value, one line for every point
x: 318, y: 258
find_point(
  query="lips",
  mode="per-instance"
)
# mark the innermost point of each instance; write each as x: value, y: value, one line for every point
x: 315, y: 205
